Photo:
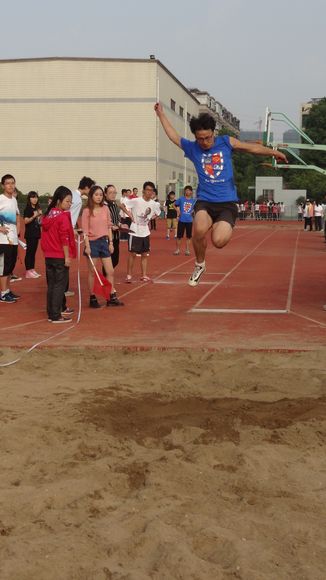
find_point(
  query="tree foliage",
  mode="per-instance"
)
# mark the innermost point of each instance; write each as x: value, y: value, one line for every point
x: 248, y: 167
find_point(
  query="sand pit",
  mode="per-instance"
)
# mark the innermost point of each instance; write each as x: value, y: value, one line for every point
x: 163, y: 465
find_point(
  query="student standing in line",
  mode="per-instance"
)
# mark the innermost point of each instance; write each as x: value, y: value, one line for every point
x: 59, y: 247
x: 97, y: 228
x: 9, y: 231
x: 142, y: 210
x: 32, y: 216
x: 171, y: 215
x: 186, y: 205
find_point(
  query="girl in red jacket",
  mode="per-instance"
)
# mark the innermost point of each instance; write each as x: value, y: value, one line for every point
x: 59, y: 247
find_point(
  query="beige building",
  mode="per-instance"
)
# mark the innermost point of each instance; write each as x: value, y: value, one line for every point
x: 62, y: 118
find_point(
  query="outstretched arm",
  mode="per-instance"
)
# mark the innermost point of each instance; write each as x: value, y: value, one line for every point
x: 169, y: 130
x: 257, y: 149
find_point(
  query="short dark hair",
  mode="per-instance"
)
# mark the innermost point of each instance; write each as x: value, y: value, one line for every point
x: 203, y: 122
x: 188, y: 187
x: 149, y: 184
x: 5, y: 177
x: 86, y: 182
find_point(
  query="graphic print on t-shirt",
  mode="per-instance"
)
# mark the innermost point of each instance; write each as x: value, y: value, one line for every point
x: 212, y: 164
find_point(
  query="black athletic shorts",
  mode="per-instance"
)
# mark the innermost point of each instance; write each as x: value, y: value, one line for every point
x: 138, y: 245
x: 8, y: 258
x: 219, y: 212
x: 182, y: 226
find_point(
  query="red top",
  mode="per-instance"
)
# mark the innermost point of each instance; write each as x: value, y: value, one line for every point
x: 57, y: 231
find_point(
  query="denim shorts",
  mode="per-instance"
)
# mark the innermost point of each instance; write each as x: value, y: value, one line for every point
x: 100, y: 248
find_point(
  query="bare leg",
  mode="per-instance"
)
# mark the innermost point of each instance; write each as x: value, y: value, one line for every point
x: 187, y: 245
x: 221, y: 234
x: 178, y: 244
x: 201, y: 225
x: 91, y: 275
x: 4, y: 283
x: 130, y: 265
x: 144, y: 265
x: 109, y: 272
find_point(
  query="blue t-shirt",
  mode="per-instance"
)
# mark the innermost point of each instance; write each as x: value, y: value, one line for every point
x: 214, y: 169
x: 186, y: 206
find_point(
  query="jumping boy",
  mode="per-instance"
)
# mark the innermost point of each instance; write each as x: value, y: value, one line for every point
x: 215, y: 208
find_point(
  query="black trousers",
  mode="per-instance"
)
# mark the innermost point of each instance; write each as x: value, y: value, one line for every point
x: 308, y: 223
x: 116, y: 252
x: 56, y: 276
x: 31, y: 249
x: 318, y: 225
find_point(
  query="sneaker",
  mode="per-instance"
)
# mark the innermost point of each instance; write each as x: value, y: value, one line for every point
x: 37, y: 275
x: 146, y: 279
x: 128, y: 279
x: 69, y: 293
x: 187, y: 253
x: 8, y: 299
x: 196, y: 275
x: 67, y: 312
x: 114, y: 300
x: 31, y: 274
x: 14, y: 278
x: 93, y: 303
x: 15, y: 296
x: 61, y: 320
x: 167, y: 237
x: 176, y: 253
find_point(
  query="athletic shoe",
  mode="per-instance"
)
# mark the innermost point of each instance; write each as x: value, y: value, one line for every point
x: 69, y: 293
x: 167, y: 237
x: 128, y: 279
x: 196, y: 275
x: 67, y: 312
x: 15, y: 296
x: 37, y: 275
x: 14, y: 278
x: 114, y: 300
x: 187, y: 253
x: 7, y: 299
x: 176, y: 253
x: 146, y: 279
x: 61, y: 320
x: 93, y: 303
x: 31, y: 274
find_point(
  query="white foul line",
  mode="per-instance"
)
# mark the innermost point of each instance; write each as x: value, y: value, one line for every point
x: 238, y: 311
x: 294, y: 262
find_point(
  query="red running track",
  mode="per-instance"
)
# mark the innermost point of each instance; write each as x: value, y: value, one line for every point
x: 264, y: 291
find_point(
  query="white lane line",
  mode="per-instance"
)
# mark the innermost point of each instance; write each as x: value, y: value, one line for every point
x: 178, y: 282
x: 291, y: 284
x: 238, y: 311
x: 322, y: 324
x: 230, y: 272
x: 22, y: 324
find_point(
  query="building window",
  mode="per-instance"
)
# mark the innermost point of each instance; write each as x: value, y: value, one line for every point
x: 181, y: 111
x: 172, y: 105
x: 174, y: 175
x: 188, y: 117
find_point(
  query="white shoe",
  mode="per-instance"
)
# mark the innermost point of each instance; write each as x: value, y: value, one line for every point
x: 196, y: 275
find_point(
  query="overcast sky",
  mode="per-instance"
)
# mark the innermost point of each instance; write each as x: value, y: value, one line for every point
x: 248, y: 54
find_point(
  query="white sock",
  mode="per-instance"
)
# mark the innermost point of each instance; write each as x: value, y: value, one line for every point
x: 201, y: 264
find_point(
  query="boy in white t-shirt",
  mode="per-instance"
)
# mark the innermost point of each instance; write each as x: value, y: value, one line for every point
x: 8, y: 237
x: 141, y: 210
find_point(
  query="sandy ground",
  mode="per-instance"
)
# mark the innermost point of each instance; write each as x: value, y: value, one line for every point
x: 163, y: 465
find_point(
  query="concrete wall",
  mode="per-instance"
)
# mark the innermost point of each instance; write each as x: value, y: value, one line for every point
x: 61, y: 119
x: 287, y: 196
